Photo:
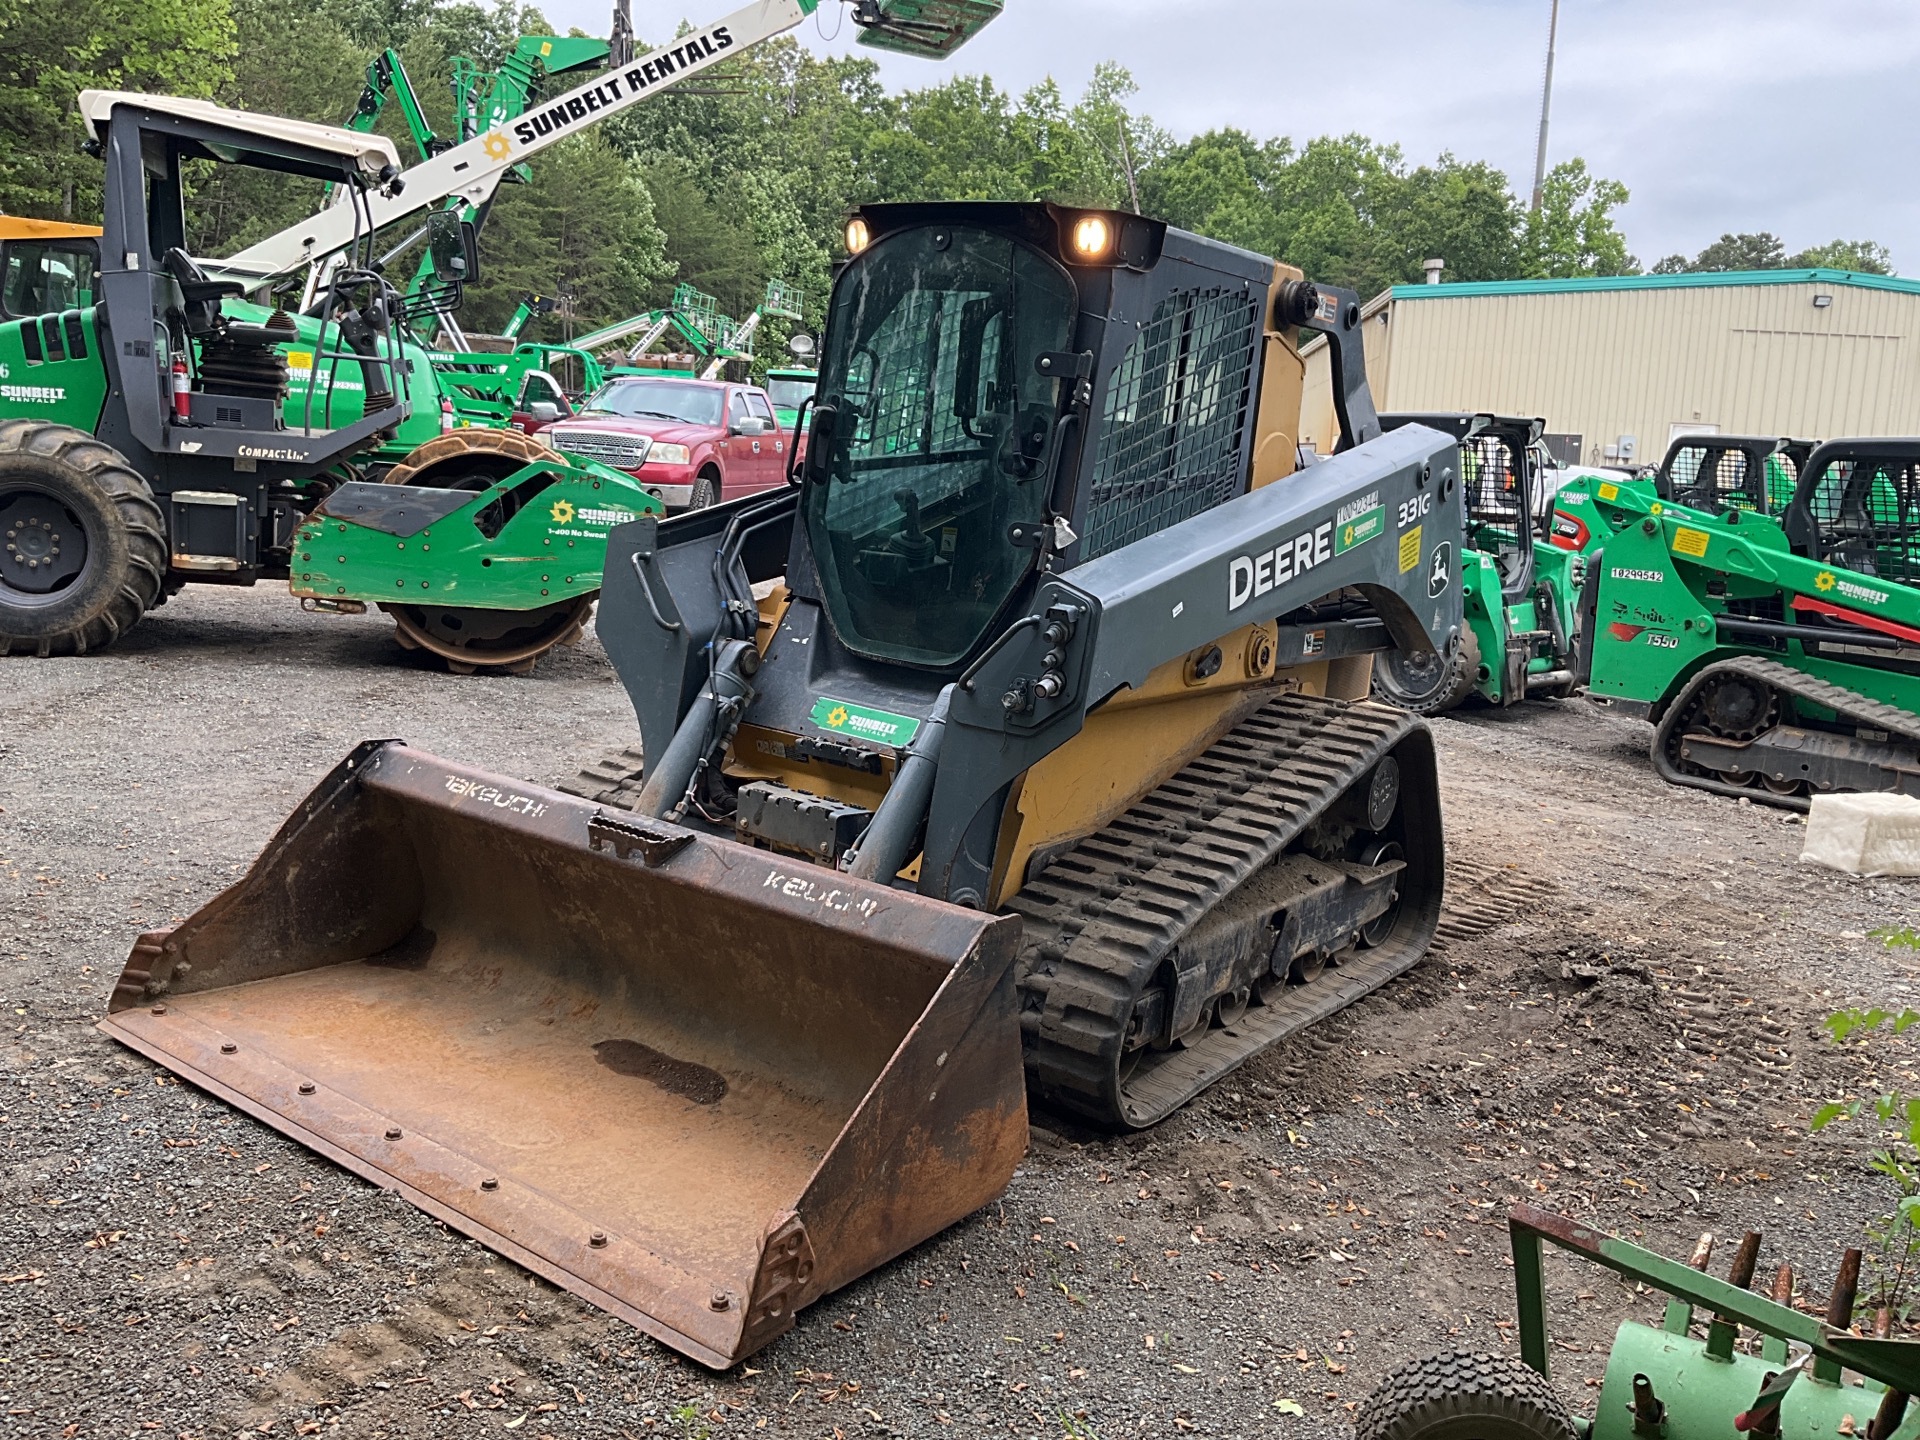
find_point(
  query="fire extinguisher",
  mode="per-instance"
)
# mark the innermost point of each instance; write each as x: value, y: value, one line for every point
x: 182, y: 401
x: 446, y: 415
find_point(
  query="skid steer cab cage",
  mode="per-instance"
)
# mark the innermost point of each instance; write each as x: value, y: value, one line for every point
x: 691, y: 1083
x: 1666, y: 1382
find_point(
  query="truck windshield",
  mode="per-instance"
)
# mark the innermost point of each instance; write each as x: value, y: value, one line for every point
x: 658, y: 400
x: 789, y: 392
x: 935, y: 433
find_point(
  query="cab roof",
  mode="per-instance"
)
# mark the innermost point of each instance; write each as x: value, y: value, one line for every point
x: 371, y: 153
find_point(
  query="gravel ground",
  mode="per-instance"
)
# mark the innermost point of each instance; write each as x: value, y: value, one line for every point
x: 1624, y: 1024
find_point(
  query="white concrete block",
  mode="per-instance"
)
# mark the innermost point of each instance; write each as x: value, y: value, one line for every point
x: 1865, y: 834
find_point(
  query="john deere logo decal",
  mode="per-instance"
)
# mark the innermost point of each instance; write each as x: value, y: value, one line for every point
x: 496, y: 145
x: 1824, y: 580
x: 882, y: 727
x: 562, y: 512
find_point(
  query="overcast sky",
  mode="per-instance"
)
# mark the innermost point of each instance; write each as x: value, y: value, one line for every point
x: 1795, y: 116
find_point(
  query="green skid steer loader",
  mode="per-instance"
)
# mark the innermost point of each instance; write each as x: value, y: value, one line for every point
x: 1020, y: 746
x: 1776, y: 657
x: 162, y: 431
x: 1520, y: 592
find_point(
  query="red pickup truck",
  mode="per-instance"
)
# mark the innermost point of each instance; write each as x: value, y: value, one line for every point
x: 689, y: 442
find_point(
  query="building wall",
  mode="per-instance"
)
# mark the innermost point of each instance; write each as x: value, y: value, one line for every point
x: 1747, y: 359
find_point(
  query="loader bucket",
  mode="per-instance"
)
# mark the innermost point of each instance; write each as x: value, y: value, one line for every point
x: 694, y: 1083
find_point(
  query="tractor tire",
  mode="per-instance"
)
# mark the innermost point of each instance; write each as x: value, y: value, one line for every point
x: 1428, y: 689
x: 1463, y: 1397
x: 63, y: 491
x: 706, y: 490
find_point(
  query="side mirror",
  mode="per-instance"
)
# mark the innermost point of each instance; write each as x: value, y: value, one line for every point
x: 749, y: 426
x: 545, y: 411
x: 446, y: 248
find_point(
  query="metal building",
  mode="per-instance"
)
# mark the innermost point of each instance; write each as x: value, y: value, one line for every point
x: 1619, y: 365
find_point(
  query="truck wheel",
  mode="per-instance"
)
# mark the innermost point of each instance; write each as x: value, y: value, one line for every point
x: 83, y: 550
x: 1431, y: 688
x: 706, y: 489
x: 1463, y: 1397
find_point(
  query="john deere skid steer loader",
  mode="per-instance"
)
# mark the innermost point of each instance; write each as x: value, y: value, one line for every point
x: 1520, y: 593
x: 1021, y: 746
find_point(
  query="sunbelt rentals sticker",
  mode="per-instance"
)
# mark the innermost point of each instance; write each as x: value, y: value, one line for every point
x: 882, y: 727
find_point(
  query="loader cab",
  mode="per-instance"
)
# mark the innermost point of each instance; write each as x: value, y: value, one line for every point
x: 970, y: 352
x: 46, y: 267
x: 1500, y: 478
x: 1857, y: 507
x: 1717, y: 473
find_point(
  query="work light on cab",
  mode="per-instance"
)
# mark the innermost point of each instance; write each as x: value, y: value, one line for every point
x: 858, y: 236
x: 1092, y: 237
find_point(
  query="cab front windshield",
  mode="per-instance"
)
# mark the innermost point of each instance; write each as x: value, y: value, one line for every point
x: 692, y: 404
x: 933, y: 438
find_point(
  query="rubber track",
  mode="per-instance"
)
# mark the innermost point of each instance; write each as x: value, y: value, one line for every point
x: 1860, y: 709
x: 614, y: 779
x: 1101, y: 918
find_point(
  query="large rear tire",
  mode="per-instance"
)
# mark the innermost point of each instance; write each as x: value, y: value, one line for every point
x: 1433, y: 688
x: 467, y: 639
x: 1463, y: 1397
x: 83, y: 551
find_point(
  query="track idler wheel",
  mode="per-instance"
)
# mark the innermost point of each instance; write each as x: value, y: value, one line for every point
x: 468, y: 639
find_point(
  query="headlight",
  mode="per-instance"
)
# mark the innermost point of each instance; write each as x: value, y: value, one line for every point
x: 541, y: 437
x: 669, y: 454
x: 857, y: 235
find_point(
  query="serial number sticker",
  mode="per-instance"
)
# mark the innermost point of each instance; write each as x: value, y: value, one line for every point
x: 827, y: 897
x: 1690, y: 542
x: 1410, y: 549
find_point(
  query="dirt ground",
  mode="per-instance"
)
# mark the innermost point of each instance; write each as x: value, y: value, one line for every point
x: 1623, y: 1023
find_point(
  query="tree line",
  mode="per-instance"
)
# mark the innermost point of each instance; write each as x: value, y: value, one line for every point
x: 746, y: 173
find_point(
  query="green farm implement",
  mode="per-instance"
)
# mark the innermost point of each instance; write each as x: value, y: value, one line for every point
x: 1777, y: 655
x: 1520, y: 591
x: 1725, y: 1361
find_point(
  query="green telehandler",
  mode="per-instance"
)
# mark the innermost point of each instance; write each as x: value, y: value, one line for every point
x: 1520, y: 591
x: 1776, y: 657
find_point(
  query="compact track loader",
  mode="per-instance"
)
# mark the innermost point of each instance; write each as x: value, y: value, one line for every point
x: 1021, y: 746
x: 1520, y: 592
x: 1777, y: 656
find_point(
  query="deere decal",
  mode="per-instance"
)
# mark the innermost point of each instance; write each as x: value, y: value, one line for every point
x: 882, y: 727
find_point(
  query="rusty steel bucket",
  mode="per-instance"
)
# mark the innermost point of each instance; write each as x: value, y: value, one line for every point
x: 697, y: 1084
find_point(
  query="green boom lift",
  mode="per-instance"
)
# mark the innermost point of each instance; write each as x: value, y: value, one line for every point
x: 1814, y: 1374
x: 1520, y: 591
x: 1776, y: 657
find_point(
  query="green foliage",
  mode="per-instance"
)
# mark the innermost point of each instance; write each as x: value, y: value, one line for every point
x: 1573, y: 232
x: 51, y: 50
x: 1895, y: 1154
x: 1897, y: 937
x: 1766, y: 251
